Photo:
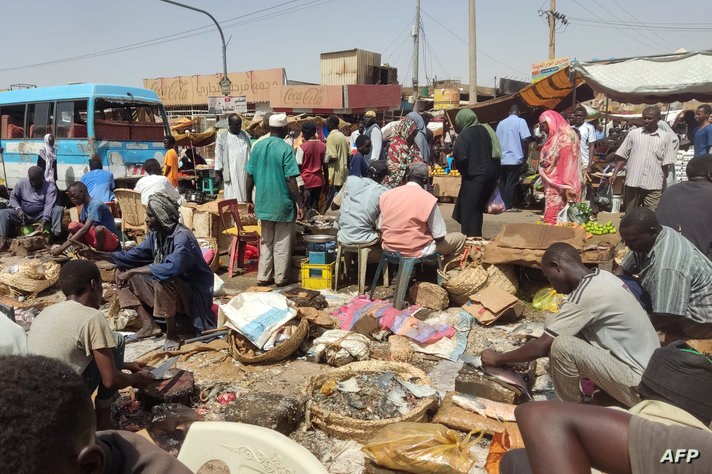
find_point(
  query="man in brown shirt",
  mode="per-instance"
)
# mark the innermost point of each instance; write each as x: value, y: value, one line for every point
x: 48, y: 426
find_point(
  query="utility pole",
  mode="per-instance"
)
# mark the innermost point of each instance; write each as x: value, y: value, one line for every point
x: 552, y: 30
x: 225, y: 83
x: 416, y: 47
x: 473, y: 53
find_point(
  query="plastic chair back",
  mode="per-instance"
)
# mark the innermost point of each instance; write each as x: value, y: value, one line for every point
x: 231, y: 204
x: 245, y: 448
x: 133, y: 212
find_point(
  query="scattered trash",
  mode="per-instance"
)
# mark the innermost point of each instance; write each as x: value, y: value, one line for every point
x: 339, y: 347
x: 170, y: 424
x: 421, y: 448
x: 26, y: 314
x: 225, y: 398
x: 547, y: 299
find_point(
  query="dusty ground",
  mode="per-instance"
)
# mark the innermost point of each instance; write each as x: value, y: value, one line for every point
x: 217, y: 373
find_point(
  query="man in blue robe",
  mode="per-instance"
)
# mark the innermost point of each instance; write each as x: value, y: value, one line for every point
x: 165, y: 275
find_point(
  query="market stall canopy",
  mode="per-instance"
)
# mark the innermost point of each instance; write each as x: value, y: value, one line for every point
x: 196, y: 139
x: 651, y: 79
x: 546, y: 94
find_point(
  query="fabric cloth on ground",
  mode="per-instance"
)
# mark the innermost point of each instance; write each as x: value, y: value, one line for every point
x: 421, y: 139
x: 400, y: 322
x: 400, y: 154
x: 10, y: 221
x: 479, y: 169
x: 646, y: 153
x: 111, y: 240
x: 275, y: 251
x: 448, y: 347
x: 100, y: 184
x: 677, y: 276
x: 232, y: 152
x: 99, y: 213
x: 70, y: 331
x: 685, y: 207
x: 511, y: 132
x: 182, y: 259
x: 171, y: 160
x: 310, y: 157
x: 338, y: 151
x: 559, y: 164
x: 271, y: 163
x: 359, y: 211
x: 36, y: 203
x: 152, y: 184
x: 130, y: 453
x: 13, y: 340
x: 92, y: 375
x: 617, y: 324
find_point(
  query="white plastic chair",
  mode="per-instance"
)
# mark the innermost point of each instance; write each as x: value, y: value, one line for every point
x: 245, y: 448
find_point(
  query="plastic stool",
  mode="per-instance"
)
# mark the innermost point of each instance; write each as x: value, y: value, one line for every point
x: 405, y: 270
x: 362, y: 251
x: 208, y: 184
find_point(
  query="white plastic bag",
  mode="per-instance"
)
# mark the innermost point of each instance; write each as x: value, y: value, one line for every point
x: 256, y: 315
x: 340, y: 347
x: 563, y: 216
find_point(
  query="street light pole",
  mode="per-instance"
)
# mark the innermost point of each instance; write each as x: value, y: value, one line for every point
x: 225, y: 82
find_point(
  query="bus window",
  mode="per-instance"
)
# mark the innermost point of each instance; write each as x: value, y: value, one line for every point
x: 72, y: 119
x: 39, y: 119
x: 128, y: 121
x: 12, y: 121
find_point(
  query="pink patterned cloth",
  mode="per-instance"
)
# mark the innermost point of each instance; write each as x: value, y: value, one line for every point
x: 560, y: 165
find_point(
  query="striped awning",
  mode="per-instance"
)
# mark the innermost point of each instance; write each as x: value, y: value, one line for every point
x: 550, y: 91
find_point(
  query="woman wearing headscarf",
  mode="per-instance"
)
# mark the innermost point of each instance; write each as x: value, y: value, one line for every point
x: 477, y: 154
x: 421, y: 139
x: 559, y: 164
x: 402, y: 152
x: 165, y: 275
x: 47, y: 158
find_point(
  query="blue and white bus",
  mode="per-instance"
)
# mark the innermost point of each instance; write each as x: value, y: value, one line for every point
x: 123, y: 126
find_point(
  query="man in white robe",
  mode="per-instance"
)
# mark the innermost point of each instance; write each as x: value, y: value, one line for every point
x: 232, y: 152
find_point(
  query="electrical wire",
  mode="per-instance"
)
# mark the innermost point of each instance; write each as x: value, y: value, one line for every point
x: 652, y: 34
x: 410, y: 22
x: 433, y: 54
x: 651, y: 26
x: 227, y: 24
x: 479, y: 51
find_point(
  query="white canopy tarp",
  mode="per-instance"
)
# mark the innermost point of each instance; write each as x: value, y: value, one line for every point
x: 650, y: 79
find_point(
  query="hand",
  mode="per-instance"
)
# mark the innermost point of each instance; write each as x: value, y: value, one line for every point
x: 134, y: 366
x: 21, y: 214
x: 569, y: 195
x: 251, y: 209
x: 141, y: 379
x: 88, y: 253
x: 124, y: 276
x: 490, y: 358
x: 300, y: 213
x: 43, y: 223
x: 612, y: 178
x: 58, y: 250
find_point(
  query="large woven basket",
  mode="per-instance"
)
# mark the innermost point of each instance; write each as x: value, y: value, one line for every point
x: 345, y: 427
x: 503, y: 276
x: 209, y: 242
x: 30, y: 278
x: 470, y: 279
x: 280, y: 352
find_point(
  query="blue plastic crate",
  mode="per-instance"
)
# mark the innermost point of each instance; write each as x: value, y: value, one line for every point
x: 322, y: 258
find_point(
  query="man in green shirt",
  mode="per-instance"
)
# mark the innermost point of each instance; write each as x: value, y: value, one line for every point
x: 272, y: 171
x: 336, y: 157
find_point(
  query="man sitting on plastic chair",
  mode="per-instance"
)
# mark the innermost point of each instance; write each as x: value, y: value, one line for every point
x: 411, y: 222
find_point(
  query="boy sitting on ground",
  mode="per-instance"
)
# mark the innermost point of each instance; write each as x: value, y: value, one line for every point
x: 96, y: 226
x: 48, y: 426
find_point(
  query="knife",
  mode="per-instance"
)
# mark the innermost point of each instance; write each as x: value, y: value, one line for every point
x: 159, y: 372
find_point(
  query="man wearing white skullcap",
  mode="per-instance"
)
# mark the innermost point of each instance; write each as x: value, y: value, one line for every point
x: 272, y: 171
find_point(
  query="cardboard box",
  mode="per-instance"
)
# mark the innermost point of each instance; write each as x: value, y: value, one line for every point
x: 446, y: 186
x: 492, y: 304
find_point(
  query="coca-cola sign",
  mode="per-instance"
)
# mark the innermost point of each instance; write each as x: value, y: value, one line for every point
x: 306, y: 97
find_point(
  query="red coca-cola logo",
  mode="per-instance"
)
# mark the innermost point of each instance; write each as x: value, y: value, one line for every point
x: 310, y: 97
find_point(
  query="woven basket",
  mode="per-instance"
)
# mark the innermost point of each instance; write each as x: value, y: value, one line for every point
x: 471, y: 278
x: 345, y: 427
x: 209, y: 242
x: 504, y: 276
x: 30, y: 278
x: 280, y: 352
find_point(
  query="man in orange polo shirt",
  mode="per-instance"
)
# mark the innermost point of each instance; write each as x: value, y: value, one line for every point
x: 170, y: 162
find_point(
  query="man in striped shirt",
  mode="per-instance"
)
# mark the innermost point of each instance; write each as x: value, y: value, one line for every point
x: 648, y: 152
x: 677, y: 276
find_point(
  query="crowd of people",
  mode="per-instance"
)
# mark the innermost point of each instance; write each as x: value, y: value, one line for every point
x: 377, y: 179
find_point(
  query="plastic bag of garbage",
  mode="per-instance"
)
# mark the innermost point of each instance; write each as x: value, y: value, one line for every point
x: 339, y: 347
x: 547, y: 299
x: 421, y: 448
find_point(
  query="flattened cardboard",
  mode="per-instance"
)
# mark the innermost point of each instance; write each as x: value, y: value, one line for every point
x: 493, y: 303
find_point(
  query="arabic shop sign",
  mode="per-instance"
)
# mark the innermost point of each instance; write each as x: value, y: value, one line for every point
x: 191, y: 90
x: 306, y: 97
x: 221, y: 104
x: 547, y: 68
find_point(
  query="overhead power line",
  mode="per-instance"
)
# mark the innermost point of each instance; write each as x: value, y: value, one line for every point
x: 654, y: 27
x: 227, y: 24
x: 653, y: 35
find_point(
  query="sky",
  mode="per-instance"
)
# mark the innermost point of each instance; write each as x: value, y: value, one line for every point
x: 125, y: 41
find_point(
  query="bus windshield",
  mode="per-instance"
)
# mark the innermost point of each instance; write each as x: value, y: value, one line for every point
x: 128, y: 120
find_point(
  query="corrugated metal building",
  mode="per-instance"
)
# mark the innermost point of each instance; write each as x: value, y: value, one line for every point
x: 354, y: 66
